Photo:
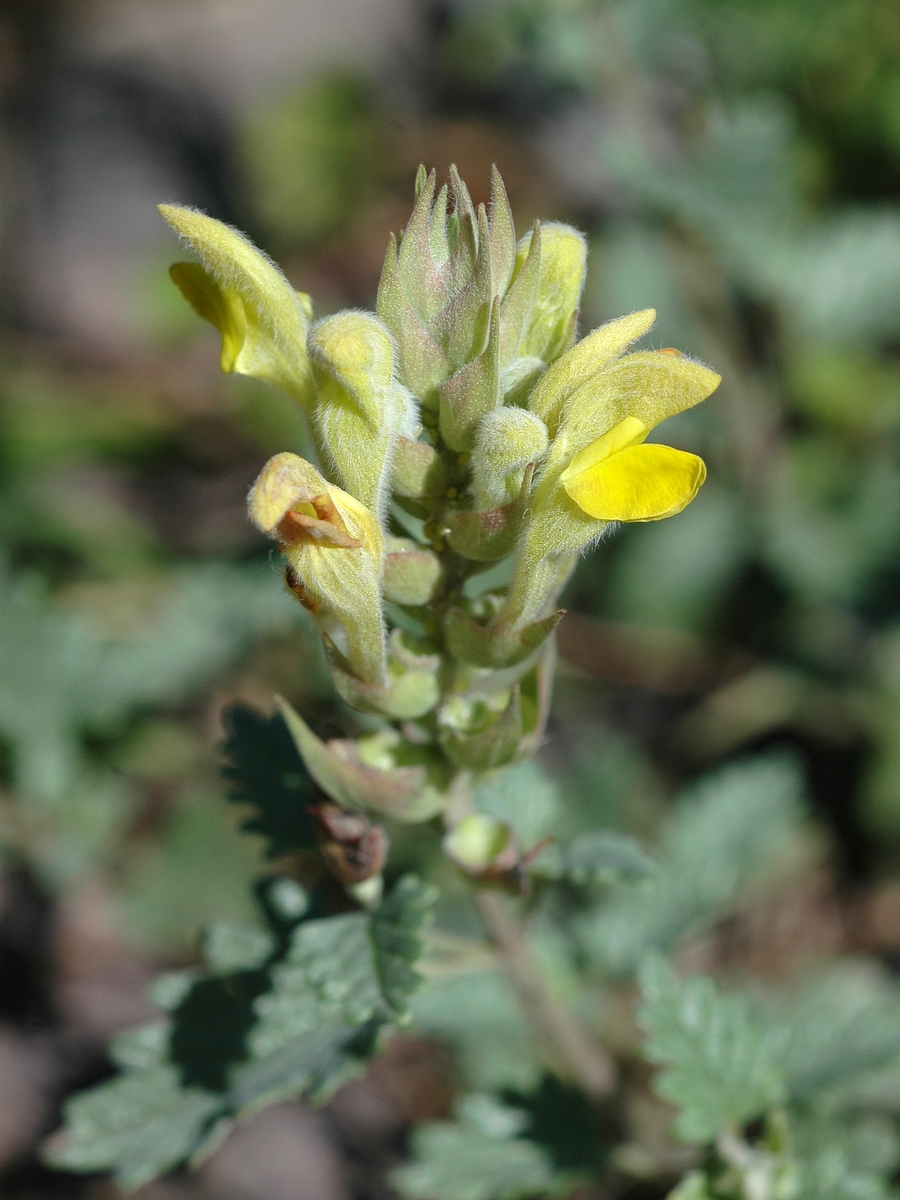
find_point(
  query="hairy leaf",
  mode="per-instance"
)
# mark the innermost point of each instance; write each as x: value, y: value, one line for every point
x: 248, y: 1034
x: 478, y: 1157
x: 726, y: 832
x: 719, y: 1068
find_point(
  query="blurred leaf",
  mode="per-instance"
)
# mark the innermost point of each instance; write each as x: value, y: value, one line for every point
x: 141, y: 1125
x: 523, y: 797
x: 727, y: 830
x: 314, y: 156
x: 602, y: 855
x: 238, y: 1041
x: 676, y: 573
x: 479, y: 1157
x: 479, y: 1015
x: 719, y: 1067
x: 840, y: 1025
x: 195, y: 870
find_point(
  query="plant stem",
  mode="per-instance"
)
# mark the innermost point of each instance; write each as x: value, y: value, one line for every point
x: 583, y: 1059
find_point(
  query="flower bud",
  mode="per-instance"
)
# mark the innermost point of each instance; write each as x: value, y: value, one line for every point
x: 361, y: 409
x: 550, y: 327
x: 411, y: 687
x: 598, y: 469
x: 411, y: 574
x: 508, y: 439
x: 262, y: 320
x: 478, y: 842
x: 335, y: 550
x: 584, y: 361
x: 484, y: 732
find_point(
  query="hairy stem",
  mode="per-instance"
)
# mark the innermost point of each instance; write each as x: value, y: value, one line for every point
x: 583, y: 1059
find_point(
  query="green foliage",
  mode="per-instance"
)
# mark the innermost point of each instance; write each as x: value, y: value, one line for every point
x: 726, y: 832
x: 63, y: 680
x: 600, y: 855
x: 267, y: 772
x: 480, y: 1156
x: 719, y: 1067
x: 840, y: 1025
x: 280, y: 1011
x: 478, y: 1015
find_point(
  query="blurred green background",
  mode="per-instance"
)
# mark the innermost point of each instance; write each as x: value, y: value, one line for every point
x: 736, y: 164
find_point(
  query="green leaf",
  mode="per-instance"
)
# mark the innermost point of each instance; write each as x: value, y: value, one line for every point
x: 396, y: 932
x: 602, y: 855
x: 328, y: 978
x: 137, y: 1126
x: 719, y: 1068
x: 248, y: 1034
x: 523, y: 797
x: 479, y: 1015
x: 728, y: 831
x: 230, y: 946
x: 267, y: 772
x: 841, y: 1159
x: 478, y: 1157
x: 839, y: 1026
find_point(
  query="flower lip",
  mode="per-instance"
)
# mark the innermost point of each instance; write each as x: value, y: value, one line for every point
x: 619, y: 478
x: 628, y: 432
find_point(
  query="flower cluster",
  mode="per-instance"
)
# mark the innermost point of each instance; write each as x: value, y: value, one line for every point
x: 461, y: 425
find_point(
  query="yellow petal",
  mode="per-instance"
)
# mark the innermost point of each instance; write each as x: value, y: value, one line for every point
x: 628, y: 432
x: 639, y: 483
x: 263, y: 321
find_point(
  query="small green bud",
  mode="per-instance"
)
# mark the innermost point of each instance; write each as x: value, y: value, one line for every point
x: 508, y: 439
x: 361, y: 409
x: 476, y: 842
x: 550, y: 328
x: 518, y: 303
x: 411, y: 689
x: 482, y: 733
x: 262, y: 320
x: 422, y: 363
x: 488, y: 536
x: 417, y: 470
x: 502, y: 643
x: 411, y: 574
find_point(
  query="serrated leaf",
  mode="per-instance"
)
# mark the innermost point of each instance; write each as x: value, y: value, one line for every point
x: 396, y: 930
x: 239, y: 1039
x: 267, y: 772
x: 719, y: 1068
x: 138, y: 1126
x: 478, y: 1157
x: 727, y: 831
x: 328, y: 978
x: 315, y: 1062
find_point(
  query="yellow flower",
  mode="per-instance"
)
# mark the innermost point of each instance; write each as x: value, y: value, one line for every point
x: 262, y: 320
x: 620, y: 478
x: 335, y: 550
x: 600, y: 405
